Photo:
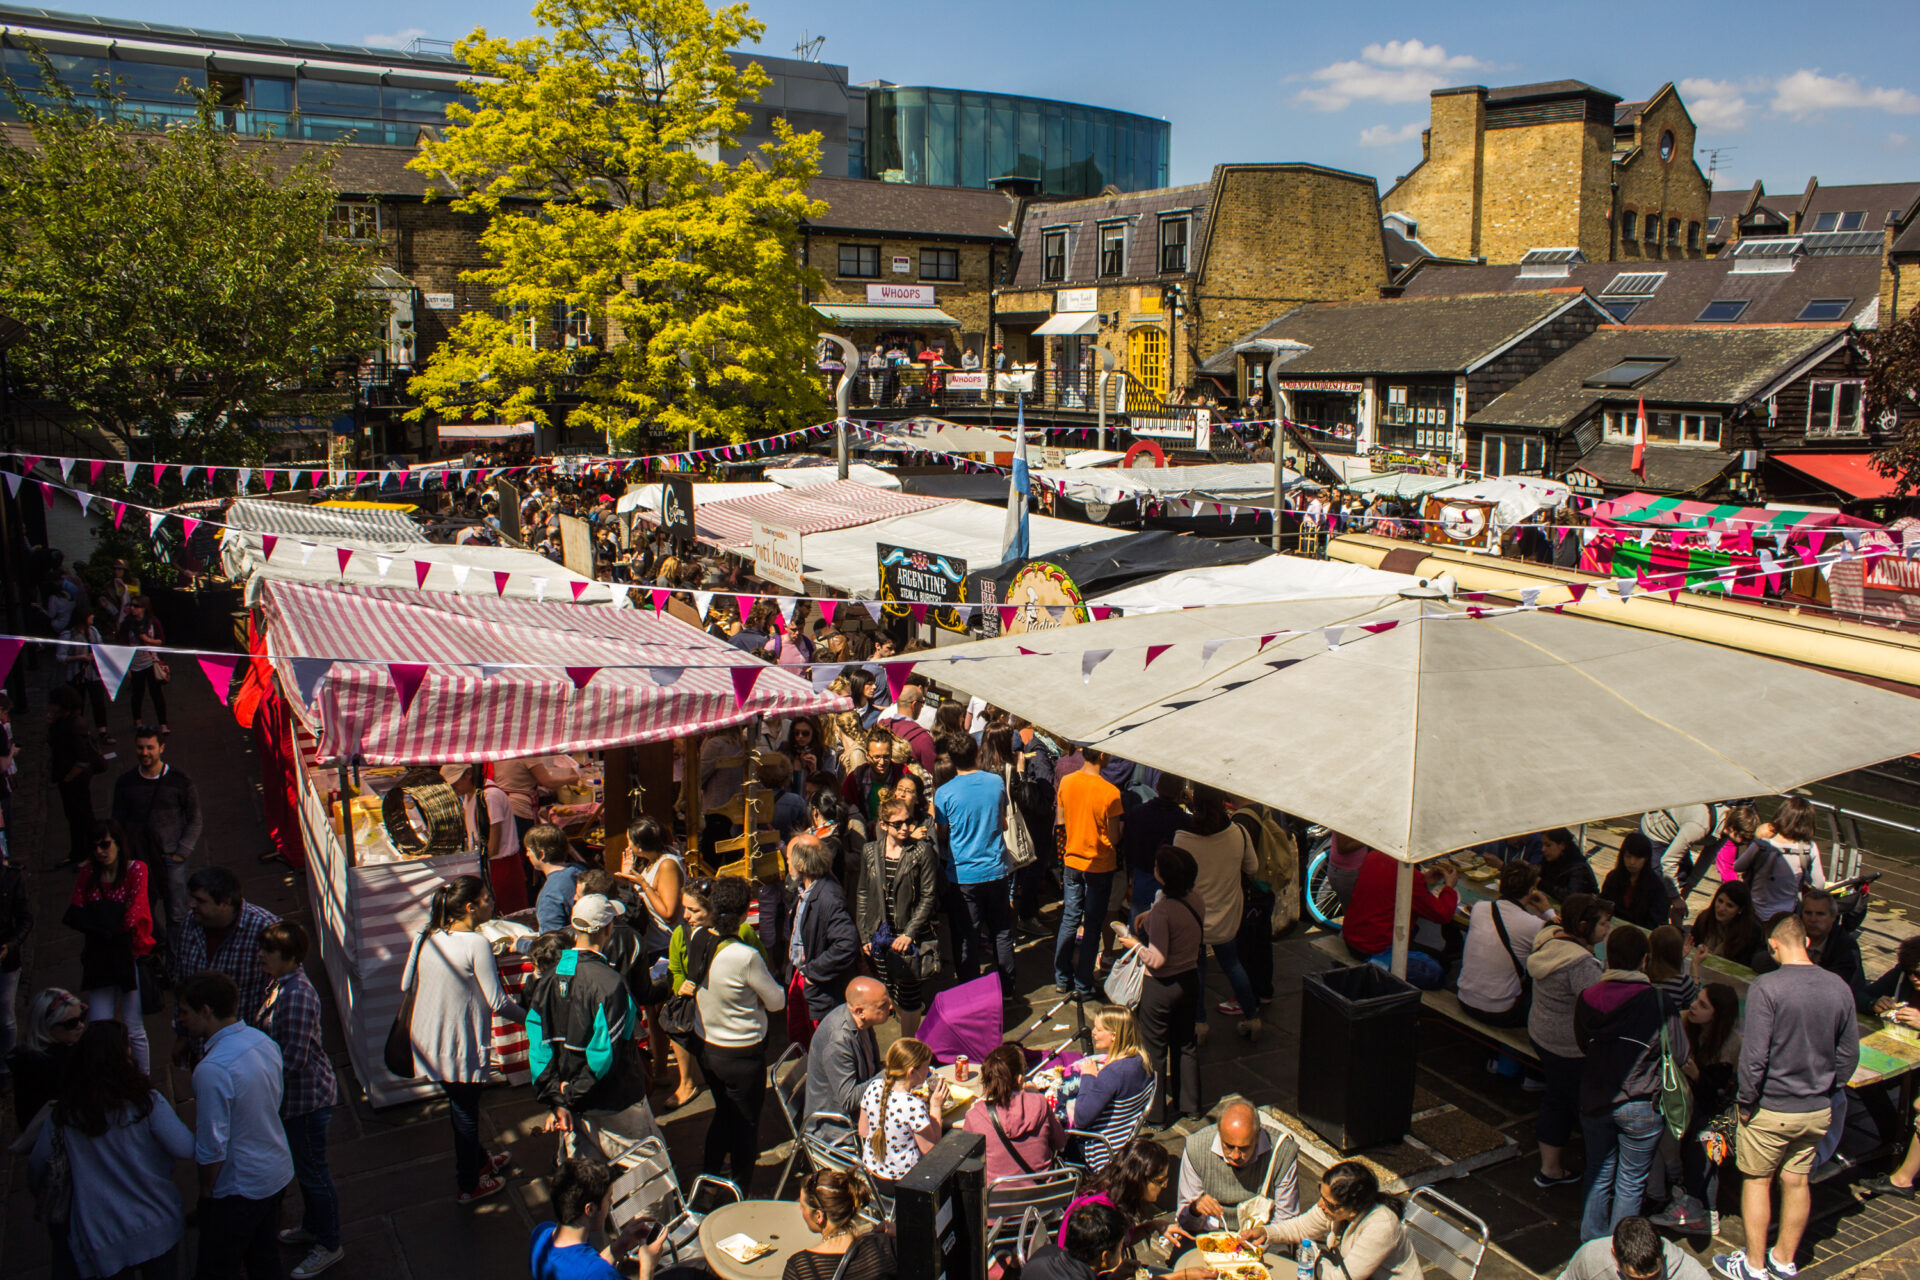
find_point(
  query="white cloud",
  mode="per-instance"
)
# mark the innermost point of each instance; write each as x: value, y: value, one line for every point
x: 1897, y: 141
x: 1385, y: 135
x: 1397, y: 71
x: 1717, y: 106
x: 1807, y: 92
x: 393, y: 40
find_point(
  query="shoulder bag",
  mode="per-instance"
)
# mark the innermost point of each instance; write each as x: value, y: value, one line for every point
x: 1020, y: 851
x: 993, y: 1114
x: 1128, y: 978
x: 398, y: 1055
x: 1676, y: 1095
x: 680, y: 1015
x: 1524, y: 1001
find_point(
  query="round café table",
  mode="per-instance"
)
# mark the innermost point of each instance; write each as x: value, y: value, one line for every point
x: 1278, y: 1267
x: 774, y: 1222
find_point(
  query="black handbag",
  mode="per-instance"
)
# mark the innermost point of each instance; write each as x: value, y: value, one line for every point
x: 680, y: 1015
x: 1524, y: 1001
x: 397, y: 1057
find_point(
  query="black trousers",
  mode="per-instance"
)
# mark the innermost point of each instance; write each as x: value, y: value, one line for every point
x: 237, y: 1238
x: 144, y: 685
x: 1166, y: 1013
x: 738, y: 1078
x: 76, y: 801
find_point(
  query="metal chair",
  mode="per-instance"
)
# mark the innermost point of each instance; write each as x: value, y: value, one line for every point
x: 836, y: 1146
x: 1045, y: 1195
x: 791, y: 1095
x: 1098, y: 1147
x: 882, y: 1203
x: 1448, y: 1238
x: 647, y: 1184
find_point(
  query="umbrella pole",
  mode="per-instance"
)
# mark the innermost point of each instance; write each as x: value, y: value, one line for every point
x: 1402, y: 917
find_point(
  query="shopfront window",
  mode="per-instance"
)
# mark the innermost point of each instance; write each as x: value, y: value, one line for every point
x: 1512, y: 455
x: 1416, y: 417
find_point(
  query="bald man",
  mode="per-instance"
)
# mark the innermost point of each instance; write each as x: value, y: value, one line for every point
x: 845, y: 1055
x: 1227, y: 1164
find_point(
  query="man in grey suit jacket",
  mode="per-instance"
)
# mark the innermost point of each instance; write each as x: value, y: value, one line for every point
x: 845, y: 1055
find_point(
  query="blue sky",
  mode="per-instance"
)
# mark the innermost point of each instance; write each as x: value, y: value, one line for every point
x: 1829, y: 88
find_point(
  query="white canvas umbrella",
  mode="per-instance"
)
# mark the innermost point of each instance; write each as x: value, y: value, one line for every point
x: 1413, y: 725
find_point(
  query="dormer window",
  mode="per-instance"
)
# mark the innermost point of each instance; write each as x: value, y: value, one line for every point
x: 1053, y: 256
x: 1113, y: 248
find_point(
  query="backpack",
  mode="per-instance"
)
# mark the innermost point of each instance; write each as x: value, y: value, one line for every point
x: 1279, y: 862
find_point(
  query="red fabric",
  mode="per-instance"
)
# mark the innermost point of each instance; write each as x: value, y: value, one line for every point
x: 1368, y: 926
x: 800, y: 1024
x: 130, y: 892
x: 279, y: 795
x: 509, y: 877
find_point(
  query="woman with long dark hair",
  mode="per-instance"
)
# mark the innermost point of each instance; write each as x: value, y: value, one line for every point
x: 121, y: 1141
x: 1635, y: 886
x: 1171, y: 934
x: 1131, y: 1183
x: 893, y: 908
x: 1356, y: 1225
x: 458, y: 995
x: 109, y: 908
x: 733, y: 992
x: 1726, y: 926
x: 1712, y: 1023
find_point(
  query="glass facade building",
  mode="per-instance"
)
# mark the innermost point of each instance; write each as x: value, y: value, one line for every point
x: 960, y: 138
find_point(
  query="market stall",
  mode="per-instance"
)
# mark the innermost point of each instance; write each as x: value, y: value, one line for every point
x: 381, y: 678
x: 1270, y: 578
x: 427, y: 566
x: 308, y: 520
x: 1662, y: 535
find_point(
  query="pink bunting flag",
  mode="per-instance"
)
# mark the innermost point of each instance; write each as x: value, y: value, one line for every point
x: 1007, y: 612
x: 577, y: 586
x: 27, y: 465
x: 897, y: 673
x: 744, y: 603
x: 119, y: 513
x: 159, y: 472
x: 918, y: 609
x: 660, y: 595
x: 315, y: 480
x: 1154, y: 651
x: 268, y: 541
x: 187, y: 525
x: 581, y: 677
x: 94, y: 469
x: 407, y: 678
x: 268, y: 477
x: 9, y: 650
x: 1676, y: 584
x: 500, y: 577
x: 827, y: 608
x: 421, y: 568
x: 1576, y: 590
x: 219, y: 669
x: 343, y: 554
x: 46, y: 492
x: 744, y: 678
x: 1267, y: 640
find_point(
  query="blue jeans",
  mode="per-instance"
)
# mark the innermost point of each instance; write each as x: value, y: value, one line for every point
x: 1620, y: 1149
x: 9, y: 1027
x: 307, y: 1141
x: 1228, y: 954
x: 1086, y: 895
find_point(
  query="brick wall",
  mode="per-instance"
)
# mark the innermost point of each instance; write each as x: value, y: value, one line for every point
x: 964, y: 299
x: 1444, y: 191
x: 432, y: 245
x: 1673, y: 188
x: 1540, y: 189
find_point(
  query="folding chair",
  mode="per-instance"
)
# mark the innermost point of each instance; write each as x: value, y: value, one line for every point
x: 834, y: 1147
x: 1098, y: 1147
x: 1448, y: 1238
x: 790, y: 1094
x: 882, y: 1202
x: 1046, y: 1195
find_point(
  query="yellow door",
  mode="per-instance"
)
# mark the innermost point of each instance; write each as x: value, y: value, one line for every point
x: 1147, y: 359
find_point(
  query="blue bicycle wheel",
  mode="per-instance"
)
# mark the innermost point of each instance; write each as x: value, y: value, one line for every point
x: 1323, y: 904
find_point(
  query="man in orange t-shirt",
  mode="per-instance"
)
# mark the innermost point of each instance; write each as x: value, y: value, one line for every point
x: 1089, y: 817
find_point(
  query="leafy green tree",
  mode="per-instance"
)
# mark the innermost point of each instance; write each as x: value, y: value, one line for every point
x: 1893, y: 387
x: 176, y: 285
x: 594, y: 147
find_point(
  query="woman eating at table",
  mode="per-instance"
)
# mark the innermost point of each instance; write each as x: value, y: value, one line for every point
x: 1635, y: 886
x: 1119, y: 1068
x: 1564, y: 870
x: 830, y: 1205
x: 1354, y: 1222
x: 1132, y: 1183
x: 1727, y: 927
x: 893, y: 908
x: 1023, y: 1135
x: 897, y: 1124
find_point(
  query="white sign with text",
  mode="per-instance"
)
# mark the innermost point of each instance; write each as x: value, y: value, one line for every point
x: 776, y: 556
x: 899, y: 295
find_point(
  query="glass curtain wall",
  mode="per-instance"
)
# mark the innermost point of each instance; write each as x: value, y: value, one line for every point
x: 950, y: 137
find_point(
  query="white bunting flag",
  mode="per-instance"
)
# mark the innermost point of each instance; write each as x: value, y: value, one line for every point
x: 111, y: 661
x: 66, y: 469
x: 488, y: 670
x: 873, y: 609
x: 1091, y: 659
x: 460, y: 572
x: 702, y: 601
x: 128, y: 469
x: 383, y: 563
x: 1207, y: 649
x: 1529, y: 596
x: 540, y: 589
x: 154, y: 520
x: 306, y: 552
x: 246, y: 479
x: 1333, y: 635
x: 826, y: 673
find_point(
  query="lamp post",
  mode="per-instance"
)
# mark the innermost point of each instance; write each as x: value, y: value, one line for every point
x: 842, y: 393
x: 1282, y: 412
x: 1100, y: 394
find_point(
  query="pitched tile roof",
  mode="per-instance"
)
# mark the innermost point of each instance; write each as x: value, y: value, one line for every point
x: 1710, y: 365
x: 1427, y: 335
x: 1140, y: 209
x: 866, y: 204
x: 1690, y: 284
x: 1669, y: 468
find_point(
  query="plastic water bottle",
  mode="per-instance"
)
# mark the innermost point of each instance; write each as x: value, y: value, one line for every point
x: 1304, y: 1256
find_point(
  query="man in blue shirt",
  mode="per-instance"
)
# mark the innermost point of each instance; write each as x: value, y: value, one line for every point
x: 548, y: 851
x: 970, y: 813
x: 564, y: 1248
x: 241, y: 1148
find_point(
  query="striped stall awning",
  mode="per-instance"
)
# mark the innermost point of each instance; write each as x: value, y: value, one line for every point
x: 297, y: 519
x: 817, y: 509
x: 500, y: 675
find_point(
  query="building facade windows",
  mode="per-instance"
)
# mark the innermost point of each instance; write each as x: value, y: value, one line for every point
x: 939, y: 264
x: 1620, y: 426
x: 949, y: 137
x: 1417, y: 417
x: 1836, y: 409
x: 1512, y: 455
x: 1147, y: 358
x: 355, y: 220
x: 1113, y: 248
x: 1673, y: 232
x: 1173, y: 243
x: 860, y: 261
x: 1629, y: 227
x: 1053, y: 255
x: 1693, y: 236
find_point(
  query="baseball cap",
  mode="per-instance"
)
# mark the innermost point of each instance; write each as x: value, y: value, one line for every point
x: 596, y: 911
x: 452, y: 773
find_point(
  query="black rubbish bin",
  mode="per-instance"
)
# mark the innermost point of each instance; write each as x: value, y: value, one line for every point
x: 1357, y: 1055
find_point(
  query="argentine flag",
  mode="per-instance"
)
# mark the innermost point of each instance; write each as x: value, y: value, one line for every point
x: 1013, y: 542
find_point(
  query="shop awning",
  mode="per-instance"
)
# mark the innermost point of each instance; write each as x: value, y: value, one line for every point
x: 846, y: 560
x: 1069, y: 324
x: 499, y: 679
x: 856, y: 315
x: 1850, y: 473
x: 299, y: 520
x: 1271, y: 578
x: 840, y: 504
x: 485, y: 430
x: 455, y: 568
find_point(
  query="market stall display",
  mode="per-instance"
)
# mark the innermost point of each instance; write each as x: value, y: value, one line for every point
x: 1656, y: 535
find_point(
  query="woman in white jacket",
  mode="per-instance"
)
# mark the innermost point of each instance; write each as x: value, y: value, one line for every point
x: 734, y: 995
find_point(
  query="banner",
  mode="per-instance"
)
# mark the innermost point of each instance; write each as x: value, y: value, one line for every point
x: 777, y: 557
x: 1460, y: 524
x: 676, y: 511
x: 1041, y: 597
x: 933, y: 582
x: 576, y: 545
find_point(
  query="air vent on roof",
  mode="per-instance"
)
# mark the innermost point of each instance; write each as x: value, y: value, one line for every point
x: 1633, y: 282
x: 1772, y: 254
x: 1550, y: 264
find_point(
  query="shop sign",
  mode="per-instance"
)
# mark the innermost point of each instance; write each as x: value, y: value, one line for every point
x: 676, y: 511
x: 437, y: 301
x: 1459, y: 523
x: 1894, y: 573
x: 1050, y: 458
x: 1196, y: 429
x: 966, y: 382
x: 902, y: 265
x: 777, y: 557
x: 899, y: 295
x: 1386, y: 459
x: 1312, y: 384
x: 1045, y: 599
x: 1076, y: 300
x: 910, y: 577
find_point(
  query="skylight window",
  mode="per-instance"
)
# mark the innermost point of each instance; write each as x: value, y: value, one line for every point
x: 1825, y: 309
x: 1550, y: 264
x: 1629, y: 283
x: 1630, y: 372
x: 1714, y: 225
x: 1723, y: 312
x: 1621, y: 309
x: 1837, y: 220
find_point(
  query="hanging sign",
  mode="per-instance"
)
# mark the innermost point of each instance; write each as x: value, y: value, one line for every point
x: 902, y: 264
x: 899, y: 295
x: 1459, y: 524
x: 777, y: 557
x: 909, y: 577
x: 1043, y: 598
x: 676, y: 510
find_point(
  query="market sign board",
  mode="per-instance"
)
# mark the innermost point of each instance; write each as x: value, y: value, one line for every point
x: 1075, y: 300
x: 676, y: 510
x: 1316, y: 384
x: 576, y: 545
x: 1044, y: 599
x: 966, y: 382
x: 910, y: 577
x: 1459, y: 524
x: 900, y: 295
x: 776, y: 556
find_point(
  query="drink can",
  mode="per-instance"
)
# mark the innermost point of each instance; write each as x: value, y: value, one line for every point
x: 961, y: 1068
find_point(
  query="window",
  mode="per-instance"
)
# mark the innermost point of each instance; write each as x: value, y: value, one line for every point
x: 1825, y: 309
x: 1700, y: 428
x: 1835, y: 220
x: 860, y: 260
x: 1621, y: 308
x: 1147, y: 358
x: 939, y: 264
x: 1619, y: 425
x: 1693, y: 235
x: 1053, y: 256
x: 1673, y: 232
x: 1723, y: 312
x: 1173, y: 244
x: 1418, y: 418
x: 1629, y: 226
x: 1713, y: 226
x: 575, y: 326
x: 1630, y: 372
x: 1113, y: 248
x: 1835, y: 409
x: 527, y: 324
x: 1666, y: 145
x: 1512, y: 455
x: 354, y: 220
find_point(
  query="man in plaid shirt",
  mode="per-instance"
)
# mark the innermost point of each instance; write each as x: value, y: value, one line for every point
x: 291, y: 1016
x: 223, y: 933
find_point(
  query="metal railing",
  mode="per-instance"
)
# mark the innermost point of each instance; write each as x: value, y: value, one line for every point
x: 1845, y: 846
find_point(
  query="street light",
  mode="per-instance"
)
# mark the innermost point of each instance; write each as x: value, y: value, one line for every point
x: 1100, y: 393
x: 843, y: 392
x: 1285, y: 349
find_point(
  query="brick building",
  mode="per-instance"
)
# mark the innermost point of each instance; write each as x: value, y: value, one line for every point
x: 1163, y: 278
x: 1861, y: 209
x: 1561, y: 164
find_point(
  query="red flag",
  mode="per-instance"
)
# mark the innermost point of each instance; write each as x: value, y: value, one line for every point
x: 744, y: 678
x: 1640, y: 441
x: 581, y: 676
x: 406, y: 677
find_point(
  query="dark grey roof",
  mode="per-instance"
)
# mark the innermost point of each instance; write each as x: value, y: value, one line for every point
x: 1876, y: 199
x: 1710, y: 365
x: 1549, y: 89
x: 1426, y: 335
x: 1669, y: 468
x: 1140, y: 210
x: 1625, y: 113
x: 168, y: 33
x: 866, y: 204
x: 1690, y: 284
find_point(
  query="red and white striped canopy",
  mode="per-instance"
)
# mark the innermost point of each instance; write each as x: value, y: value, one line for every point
x: 820, y: 508
x: 502, y: 677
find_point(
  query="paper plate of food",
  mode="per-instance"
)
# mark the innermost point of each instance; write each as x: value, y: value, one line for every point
x: 743, y: 1248
x: 1240, y: 1271
x: 1223, y: 1248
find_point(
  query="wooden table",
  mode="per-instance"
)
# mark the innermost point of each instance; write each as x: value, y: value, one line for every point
x: 1278, y: 1267
x: 774, y: 1222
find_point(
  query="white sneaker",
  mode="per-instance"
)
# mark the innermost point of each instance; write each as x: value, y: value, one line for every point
x: 296, y: 1236
x: 316, y: 1261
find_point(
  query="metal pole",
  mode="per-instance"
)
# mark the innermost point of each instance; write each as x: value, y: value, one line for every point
x: 1402, y: 917
x: 843, y: 394
x: 1282, y: 412
x: 1100, y: 392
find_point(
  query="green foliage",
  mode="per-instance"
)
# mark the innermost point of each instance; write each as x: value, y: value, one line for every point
x: 586, y: 149
x: 176, y: 285
x: 1893, y: 386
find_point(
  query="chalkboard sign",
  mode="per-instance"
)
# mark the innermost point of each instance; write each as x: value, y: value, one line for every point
x: 676, y: 511
x: 909, y: 577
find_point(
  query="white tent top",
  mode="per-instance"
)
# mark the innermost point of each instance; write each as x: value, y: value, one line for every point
x: 1278, y: 577
x: 1217, y: 482
x: 646, y: 497
x: 935, y: 435
x: 485, y: 430
x: 1514, y: 497
x: 826, y: 471
x: 1398, y: 484
x: 298, y: 519
x: 1091, y: 458
x: 456, y: 570
x: 845, y: 559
